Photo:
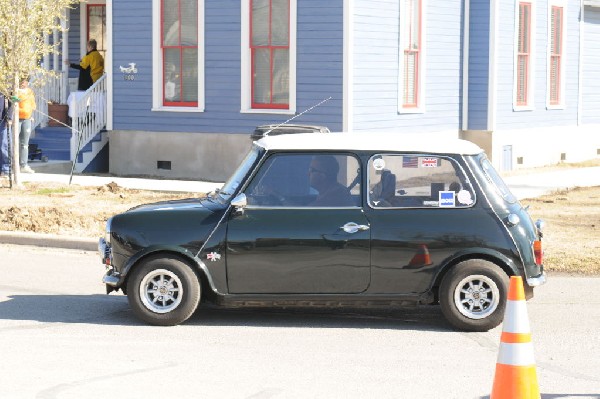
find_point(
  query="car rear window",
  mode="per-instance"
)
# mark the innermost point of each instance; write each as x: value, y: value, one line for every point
x: 493, y: 177
x: 417, y: 181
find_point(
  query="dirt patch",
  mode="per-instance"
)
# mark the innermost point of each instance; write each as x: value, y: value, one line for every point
x: 70, y: 210
x: 571, y: 241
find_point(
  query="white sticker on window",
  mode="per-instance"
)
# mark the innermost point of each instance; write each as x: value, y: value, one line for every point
x: 447, y: 199
x: 378, y: 164
x: 464, y: 197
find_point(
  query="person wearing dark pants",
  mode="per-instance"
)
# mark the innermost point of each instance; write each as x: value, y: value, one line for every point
x: 5, y: 116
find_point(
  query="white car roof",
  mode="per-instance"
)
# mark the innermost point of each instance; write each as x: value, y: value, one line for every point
x: 369, y: 141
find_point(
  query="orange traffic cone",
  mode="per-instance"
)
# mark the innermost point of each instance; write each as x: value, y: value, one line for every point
x: 516, y: 376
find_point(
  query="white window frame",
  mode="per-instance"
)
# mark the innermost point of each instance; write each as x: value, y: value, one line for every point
x: 420, y: 108
x: 532, y: 56
x: 246, y: 61
x: 561, y: 103
x: 157, y: 62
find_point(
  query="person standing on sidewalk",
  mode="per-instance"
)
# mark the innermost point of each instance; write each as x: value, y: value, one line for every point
x: 5, y: 115
x: 26, y: 99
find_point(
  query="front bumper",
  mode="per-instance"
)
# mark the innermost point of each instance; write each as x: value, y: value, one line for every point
x: 112, y: 279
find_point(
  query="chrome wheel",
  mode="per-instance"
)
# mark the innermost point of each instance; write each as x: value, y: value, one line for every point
x: 476, y: 296
x: 161, y: 291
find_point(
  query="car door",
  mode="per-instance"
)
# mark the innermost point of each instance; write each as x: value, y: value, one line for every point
x: 297, y: 235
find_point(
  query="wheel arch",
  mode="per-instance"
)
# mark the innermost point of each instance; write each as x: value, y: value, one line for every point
x: 198, y: 267
x: 505, y: 263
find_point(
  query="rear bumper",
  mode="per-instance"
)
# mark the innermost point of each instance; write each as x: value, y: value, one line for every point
x: 537, y: 280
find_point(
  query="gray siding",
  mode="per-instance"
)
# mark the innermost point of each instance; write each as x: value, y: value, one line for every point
x: 319, y: 69
x: 507, y: 118
x: 479, y: 45
x: 591, y: 66
x: 376, y: 54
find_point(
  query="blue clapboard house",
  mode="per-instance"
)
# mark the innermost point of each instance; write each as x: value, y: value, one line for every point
x: 187, y: 81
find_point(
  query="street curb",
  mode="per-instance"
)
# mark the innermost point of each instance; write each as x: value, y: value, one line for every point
x: 48, y: 240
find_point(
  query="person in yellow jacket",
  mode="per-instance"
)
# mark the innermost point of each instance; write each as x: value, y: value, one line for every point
x: 90, y: 68
x: 26, y: 99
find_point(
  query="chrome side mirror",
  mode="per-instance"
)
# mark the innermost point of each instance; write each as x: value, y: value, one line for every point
x: 240, y: 201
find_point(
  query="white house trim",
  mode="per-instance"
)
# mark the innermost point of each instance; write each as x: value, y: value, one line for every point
x: 108, y: 64
x: 466, y: 49
x: 420, y: 108
x: 246, y: 84
x: 563, y: 65
x: 157, y: 72
x: 493, y: 60
x: 532, y: 57
x: 580, y: 62
x: 348, y: 112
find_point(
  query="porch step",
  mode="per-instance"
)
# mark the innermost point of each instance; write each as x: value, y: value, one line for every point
x: 54, y: 142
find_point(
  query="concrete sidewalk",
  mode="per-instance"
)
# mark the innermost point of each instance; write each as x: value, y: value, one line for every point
x: 523, y: 186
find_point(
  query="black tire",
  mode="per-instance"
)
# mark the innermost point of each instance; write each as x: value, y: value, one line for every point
x: 163, y: 291
x: 480, y: 305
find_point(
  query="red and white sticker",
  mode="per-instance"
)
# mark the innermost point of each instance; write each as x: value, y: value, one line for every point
x: 429, y: 162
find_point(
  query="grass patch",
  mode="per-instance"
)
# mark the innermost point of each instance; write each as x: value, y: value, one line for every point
x: 572, y: 233
x: 50, y: 191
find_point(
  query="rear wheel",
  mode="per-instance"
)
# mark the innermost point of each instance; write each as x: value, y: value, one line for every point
x: 473, y: 295
x: 163, y: 291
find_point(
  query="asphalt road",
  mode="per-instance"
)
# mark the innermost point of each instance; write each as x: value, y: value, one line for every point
x: 62, y: 337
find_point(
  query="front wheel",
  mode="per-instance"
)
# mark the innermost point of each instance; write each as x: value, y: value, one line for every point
x: 163, y: 291
x: 473, y: 295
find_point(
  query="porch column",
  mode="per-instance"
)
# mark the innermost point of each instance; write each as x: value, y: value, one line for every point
x: 65, y: 56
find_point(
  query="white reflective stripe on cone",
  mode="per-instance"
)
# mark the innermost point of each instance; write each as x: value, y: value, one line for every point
x: 516, y: 354
x: 519, y: 321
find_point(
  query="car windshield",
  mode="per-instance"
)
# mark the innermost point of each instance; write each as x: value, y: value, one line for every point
x: 493, y: 177
x: 231, y: 185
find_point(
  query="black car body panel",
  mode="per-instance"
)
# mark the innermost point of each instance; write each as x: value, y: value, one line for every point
x: 253, y: 247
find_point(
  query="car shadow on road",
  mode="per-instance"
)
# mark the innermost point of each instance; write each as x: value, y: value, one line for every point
x: 115, y: 310
x: 426, y: 318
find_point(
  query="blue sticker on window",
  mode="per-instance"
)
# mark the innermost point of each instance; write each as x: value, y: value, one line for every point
x: 447, y: 199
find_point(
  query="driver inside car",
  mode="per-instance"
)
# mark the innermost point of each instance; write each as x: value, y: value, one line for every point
x: 322, y: 172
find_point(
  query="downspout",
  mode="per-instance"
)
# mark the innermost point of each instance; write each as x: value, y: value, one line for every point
x: 492, y: 93
x: 581, y: 38
x: 348, y: 67
x: 466, y: 48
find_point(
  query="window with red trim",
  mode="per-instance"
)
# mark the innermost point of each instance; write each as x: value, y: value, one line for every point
x: 556, y: 32
x: 411, y: 45
x: 270, y: 53
x: 179, y: 47
x: 523, y: 53
x: 96, y: 26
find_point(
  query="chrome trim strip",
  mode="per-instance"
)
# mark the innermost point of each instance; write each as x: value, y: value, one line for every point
x: 110, y: 280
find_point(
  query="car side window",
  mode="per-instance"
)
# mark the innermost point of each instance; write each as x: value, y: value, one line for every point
x: 306, y: 180
x: 417, y: 181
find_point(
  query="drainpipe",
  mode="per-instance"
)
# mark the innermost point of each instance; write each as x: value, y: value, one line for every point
x: 465, y: 85
x: 581, y: 37
x: 348, y: 68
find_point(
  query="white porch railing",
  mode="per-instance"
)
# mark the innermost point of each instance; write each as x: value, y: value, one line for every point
x: 54, y: 90
x: 88, y: 112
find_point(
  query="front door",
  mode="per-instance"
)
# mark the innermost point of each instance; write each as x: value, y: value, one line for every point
x: 303, y: 231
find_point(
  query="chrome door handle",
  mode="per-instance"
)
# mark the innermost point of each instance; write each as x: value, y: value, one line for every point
x: 352, y: 227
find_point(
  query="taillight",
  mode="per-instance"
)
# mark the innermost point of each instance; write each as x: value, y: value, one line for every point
x: 538, y: 252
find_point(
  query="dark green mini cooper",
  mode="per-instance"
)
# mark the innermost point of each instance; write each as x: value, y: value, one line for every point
x: 334, y: 220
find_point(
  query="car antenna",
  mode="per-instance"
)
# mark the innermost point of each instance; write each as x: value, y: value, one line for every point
x: 295, y: 116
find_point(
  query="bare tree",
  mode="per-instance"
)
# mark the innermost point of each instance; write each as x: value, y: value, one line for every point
x: 23, y: 24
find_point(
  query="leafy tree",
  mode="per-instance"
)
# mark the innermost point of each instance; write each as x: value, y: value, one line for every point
x: 23, y: 24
